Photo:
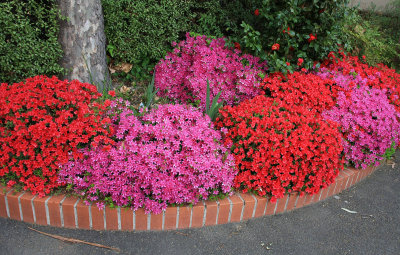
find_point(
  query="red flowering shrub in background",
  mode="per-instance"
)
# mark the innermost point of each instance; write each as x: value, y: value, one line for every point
x: 42, y: 121
x: 302, y: 89
x: 379, y: 77
x: 281, y: 148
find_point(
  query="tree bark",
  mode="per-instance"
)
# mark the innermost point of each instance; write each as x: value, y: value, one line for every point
x: 83, y: 41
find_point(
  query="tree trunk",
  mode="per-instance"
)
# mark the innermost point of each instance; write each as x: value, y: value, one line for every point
x: 83, y: 41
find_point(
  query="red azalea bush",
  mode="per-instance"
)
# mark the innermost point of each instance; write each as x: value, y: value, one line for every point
x: 378, y: 77
x: 281, y: 148
x: 42, y: 121
x: 302, y: 89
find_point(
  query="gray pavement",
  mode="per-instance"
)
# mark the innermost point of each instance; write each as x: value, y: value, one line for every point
x: 322, y: 228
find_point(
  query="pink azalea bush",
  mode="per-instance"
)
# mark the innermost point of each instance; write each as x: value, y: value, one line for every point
x: 368, y: 122
x: 170, y: 155
x: 183, y: 74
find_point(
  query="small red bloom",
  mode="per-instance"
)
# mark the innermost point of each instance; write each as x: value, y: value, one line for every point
x: 237, y: 45
x: 287, y: 63
x: 312, y: 37
x: 256, y: 12
x: 300, y: 61
x: 111, y: 93
x: 11, y: 183
x: 275, y: 46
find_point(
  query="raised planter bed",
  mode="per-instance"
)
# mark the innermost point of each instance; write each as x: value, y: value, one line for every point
x: 71, y: 212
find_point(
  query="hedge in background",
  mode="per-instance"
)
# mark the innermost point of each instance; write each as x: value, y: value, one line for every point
x: 140, y: 32
x: 28, y: 39
x: 283, y: 32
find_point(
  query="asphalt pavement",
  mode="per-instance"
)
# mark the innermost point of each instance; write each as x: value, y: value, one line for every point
x: 364, y: 219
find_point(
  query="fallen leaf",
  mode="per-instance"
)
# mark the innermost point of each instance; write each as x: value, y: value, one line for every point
x: 349, y: 211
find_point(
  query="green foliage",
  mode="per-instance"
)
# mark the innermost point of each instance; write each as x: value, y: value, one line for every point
x: 292, y: 24
x: 212, y: 110
x: 28, y: 39
x: 390, y: 151
x: 150, y: 94
x: 370, y: 41
x: 140, y: 32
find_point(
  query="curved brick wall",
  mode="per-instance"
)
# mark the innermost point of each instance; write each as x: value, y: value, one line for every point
x: 70, y: 212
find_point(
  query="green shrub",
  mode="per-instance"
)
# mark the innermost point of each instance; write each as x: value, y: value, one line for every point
x: 28, y: 39
x: 298, y: 28
x: 369, y: 40
x: 140, y: 32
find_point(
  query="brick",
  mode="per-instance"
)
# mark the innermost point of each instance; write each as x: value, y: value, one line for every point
x: 354, y: 180
x: 156, y: 221
x: 224, y: 210
x: 170, y: 218
x: 111, y: 218
x: 54, y: 210
x: 40, y: 210
x: 13, y: 205
x: 317, y: 196
x: 348, y: 182
x: 68, y: 211
x: 291, y: 202
x: 270, y: 207
x: 325, y: 192
x: 339, y: 186
x: 332, y: 188
x: 308, y: 200
x: 26, y: 207
x: 300, y: 201
x: 97, y: 217
x: 211, y: 215
x: 261, y: 203
x: 237, y: 206
x: 140, y: 219
x: 184, y: 217
x: 280, y: 207
x: 197, y: 215
x: 249, y: 204
x: 82, y: 212
x: 126, y: 219
x: 3, y: 208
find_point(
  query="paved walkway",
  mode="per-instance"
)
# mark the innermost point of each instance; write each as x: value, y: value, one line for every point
x: 322, y: 228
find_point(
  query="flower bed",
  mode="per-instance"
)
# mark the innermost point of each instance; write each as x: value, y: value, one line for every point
x: 274, y: 136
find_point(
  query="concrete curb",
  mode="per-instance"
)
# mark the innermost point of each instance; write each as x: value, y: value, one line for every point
x: 71, y: 212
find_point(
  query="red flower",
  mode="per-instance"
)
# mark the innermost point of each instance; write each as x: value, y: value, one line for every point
x: 111, y: 93
x: 300, y: 61
x: 275, y: 46
x: 256, y: 12
x: 312, y: 37
x: 237, y: 45
x: 287, y: 63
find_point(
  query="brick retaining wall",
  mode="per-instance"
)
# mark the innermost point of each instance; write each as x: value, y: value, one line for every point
x: 71, y: 212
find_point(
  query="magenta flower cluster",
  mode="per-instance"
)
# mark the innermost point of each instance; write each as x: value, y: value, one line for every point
x: 183, y: 74
x: 368, y: 122
x: 172, y: 155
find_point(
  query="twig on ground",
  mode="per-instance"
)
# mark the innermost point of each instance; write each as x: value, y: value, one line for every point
x: 72, y: 240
